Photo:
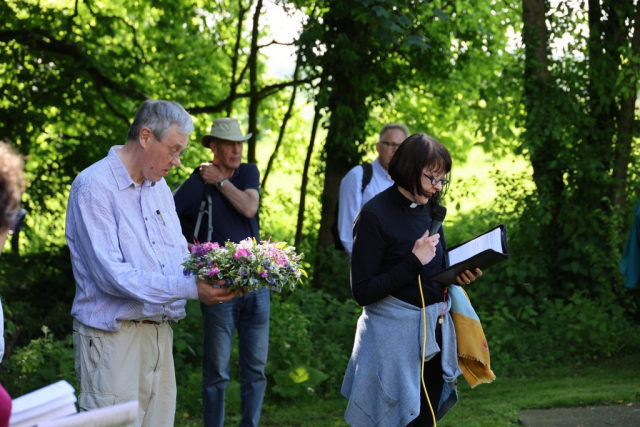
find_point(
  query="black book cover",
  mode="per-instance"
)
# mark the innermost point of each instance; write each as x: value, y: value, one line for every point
x: 481, y: 260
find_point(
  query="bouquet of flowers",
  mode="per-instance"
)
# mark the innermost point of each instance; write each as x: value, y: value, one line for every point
x: 246, y: 265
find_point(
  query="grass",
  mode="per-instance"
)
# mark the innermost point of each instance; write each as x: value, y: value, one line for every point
x: 606, y: 382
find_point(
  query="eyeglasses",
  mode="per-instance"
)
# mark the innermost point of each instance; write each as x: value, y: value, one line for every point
x: 390, y: 145
x: 435, y: 181
x: 18, y: 221
x: 173, y: 154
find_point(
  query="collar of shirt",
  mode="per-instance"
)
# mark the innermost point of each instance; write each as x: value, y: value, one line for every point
x: 402, y: 201
x: 379, y: 171
x: 120, y: 172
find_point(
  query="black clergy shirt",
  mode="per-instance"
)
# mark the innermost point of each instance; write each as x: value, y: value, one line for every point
x: 382, y: 263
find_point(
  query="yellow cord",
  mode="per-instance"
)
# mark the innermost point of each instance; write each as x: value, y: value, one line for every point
x: 424, y: 348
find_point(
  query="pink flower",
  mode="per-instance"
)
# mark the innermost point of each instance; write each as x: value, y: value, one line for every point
x: 264, y: 274
x: 241, y: 253
x: 214, y: 271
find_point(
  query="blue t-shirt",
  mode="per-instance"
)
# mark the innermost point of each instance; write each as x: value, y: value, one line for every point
x: 228, y: 223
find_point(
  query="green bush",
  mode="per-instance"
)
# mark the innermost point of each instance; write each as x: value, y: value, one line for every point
x: 311, y: 338
x: 43, y: 361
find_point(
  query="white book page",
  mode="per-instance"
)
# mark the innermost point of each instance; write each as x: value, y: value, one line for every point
x: 57, y: 413
x: 41, y: 400
x: 491, y: 240
x: 110, y: 416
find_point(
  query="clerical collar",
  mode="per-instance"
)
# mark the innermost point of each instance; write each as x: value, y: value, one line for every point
x: 402, y: 200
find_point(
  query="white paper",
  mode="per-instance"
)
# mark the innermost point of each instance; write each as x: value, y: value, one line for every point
x: 41, y: 396
x: 56, y: 413
x: 491, y: 240
x: 110, y: 416
x: 47, y: 399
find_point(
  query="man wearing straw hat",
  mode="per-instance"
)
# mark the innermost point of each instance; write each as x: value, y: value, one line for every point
x: 219, y: 202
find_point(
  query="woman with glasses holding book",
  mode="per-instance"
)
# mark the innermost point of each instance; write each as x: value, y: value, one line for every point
x: 393, y: 257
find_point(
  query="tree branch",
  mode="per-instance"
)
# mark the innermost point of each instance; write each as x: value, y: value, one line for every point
x: 285, y: 120
x: 38, y: 39
x: 70, y: 22
x: 235, y: 57
x: 263, y: 93
x: 133, y: 29
x: 111, y: 107
x: 272, y: 42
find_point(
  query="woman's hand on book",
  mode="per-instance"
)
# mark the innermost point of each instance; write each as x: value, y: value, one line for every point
x: 467, y: 276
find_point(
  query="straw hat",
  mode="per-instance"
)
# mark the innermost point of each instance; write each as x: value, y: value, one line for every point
x: 225, y: 128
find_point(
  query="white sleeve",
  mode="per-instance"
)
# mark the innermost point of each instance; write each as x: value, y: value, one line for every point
x: 349, y: 205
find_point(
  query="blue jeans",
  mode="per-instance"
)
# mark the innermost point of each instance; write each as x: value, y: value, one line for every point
x: 250, y: 316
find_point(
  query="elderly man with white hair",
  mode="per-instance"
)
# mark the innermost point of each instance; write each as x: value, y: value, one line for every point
x: 126, y: 250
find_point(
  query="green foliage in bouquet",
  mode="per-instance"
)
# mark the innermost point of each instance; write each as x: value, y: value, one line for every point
x: 247, y: 264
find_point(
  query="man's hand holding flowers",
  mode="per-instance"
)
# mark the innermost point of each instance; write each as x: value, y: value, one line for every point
x: 208, y: 294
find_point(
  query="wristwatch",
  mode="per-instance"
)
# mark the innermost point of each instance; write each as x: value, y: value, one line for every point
x: 220, y: 183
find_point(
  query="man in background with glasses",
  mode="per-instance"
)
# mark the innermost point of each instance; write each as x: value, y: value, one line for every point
x: 126, y: 253
x: 11, y: 187
x: 355, y: 192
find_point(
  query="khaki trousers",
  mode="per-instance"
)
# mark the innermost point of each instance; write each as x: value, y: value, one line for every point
x: 135, y: 363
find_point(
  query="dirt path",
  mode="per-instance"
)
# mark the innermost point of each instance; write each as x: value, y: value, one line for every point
x: 627, y: 415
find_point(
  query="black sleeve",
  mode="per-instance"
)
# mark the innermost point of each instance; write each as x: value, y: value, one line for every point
x: 443, y: 242
x: 367, y: 283
x: 248, y: 177
x: 252, y: 179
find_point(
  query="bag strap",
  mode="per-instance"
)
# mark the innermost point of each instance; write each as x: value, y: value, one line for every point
x: 206, y: 202
x: 367, y: 174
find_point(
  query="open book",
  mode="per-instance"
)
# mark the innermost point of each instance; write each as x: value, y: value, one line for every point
x: 53, y: 401
x: 54, y: 406
x: 480, y: 252
x: 112, y: 416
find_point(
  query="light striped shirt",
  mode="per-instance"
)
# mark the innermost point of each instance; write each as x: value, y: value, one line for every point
x: 352, y: 198
x: 126, y: 248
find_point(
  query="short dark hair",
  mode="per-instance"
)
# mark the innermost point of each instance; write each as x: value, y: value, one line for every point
x: 417, y: 152
x: 12, y: 185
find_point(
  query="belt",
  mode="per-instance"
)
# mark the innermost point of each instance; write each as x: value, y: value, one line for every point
x: 147, y: 322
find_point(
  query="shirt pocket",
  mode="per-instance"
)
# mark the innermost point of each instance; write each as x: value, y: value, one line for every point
x: 166, y: 227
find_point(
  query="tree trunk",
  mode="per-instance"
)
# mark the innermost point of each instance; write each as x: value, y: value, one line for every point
x: 348, y: 119
x: 254, y: 102
x: 538, y: 90
x: 626, y: 123
x: 283, y: 127
x: 305, y: 178
x: 235, y: 58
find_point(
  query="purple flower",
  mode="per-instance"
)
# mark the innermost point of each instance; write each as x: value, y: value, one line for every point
x: 264, y: 274
x: 202, y: 249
